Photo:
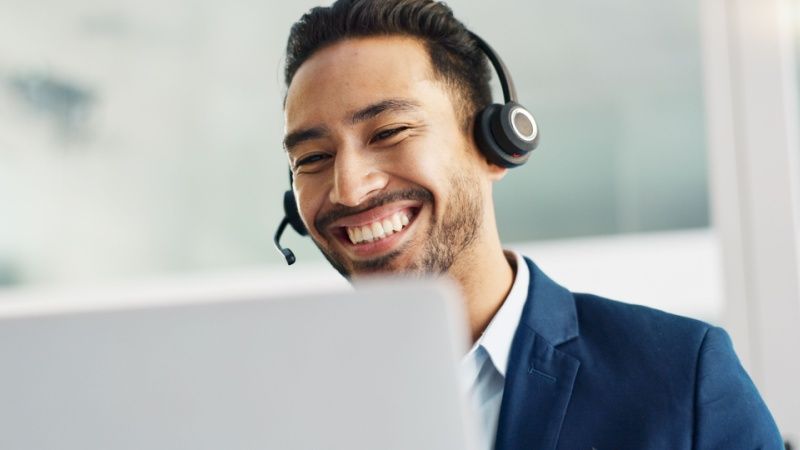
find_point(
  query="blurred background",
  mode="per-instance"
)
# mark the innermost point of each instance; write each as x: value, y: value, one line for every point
x: 140, y: 143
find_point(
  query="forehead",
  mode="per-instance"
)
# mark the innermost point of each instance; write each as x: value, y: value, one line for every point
x: 356, y: 72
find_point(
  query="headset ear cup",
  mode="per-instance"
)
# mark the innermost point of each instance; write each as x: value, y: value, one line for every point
x: 293, y: 213
x: 486, y: 122
x: 515, y: 138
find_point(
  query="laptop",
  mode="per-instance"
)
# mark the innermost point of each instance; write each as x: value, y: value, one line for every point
x: 374, y: 368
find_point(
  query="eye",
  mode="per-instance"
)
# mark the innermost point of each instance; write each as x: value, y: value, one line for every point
x: 386, y: 134
x: 311, y: 159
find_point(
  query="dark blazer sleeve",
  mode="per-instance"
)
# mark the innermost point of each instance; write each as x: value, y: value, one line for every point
x: 729, y: 412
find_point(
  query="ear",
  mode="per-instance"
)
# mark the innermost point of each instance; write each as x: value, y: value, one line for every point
x: 492, y: 171
x: 495, y: 172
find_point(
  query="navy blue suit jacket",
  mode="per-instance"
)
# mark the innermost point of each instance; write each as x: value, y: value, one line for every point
x: 588, y: 373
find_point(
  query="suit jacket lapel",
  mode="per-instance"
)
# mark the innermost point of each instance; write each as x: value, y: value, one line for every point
x: 539, y: 377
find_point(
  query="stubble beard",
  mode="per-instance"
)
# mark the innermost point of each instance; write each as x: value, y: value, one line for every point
x: 453, y: 235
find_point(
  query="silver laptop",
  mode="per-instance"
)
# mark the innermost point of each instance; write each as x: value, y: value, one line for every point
x: 370, y: 369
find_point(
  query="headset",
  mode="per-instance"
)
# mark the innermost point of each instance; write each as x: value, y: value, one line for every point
x: 505, y: 134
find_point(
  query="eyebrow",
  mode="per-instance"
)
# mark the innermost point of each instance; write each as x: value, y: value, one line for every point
x: 390, y: 105
x: 295, y: 138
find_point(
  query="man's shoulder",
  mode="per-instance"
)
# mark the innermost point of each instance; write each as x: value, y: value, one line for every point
x: 564, y: 317
x: 615, y: 330
x: 614, y: 337
x: 599, y: 312
x: 643, y: 375
x: 670, y: 370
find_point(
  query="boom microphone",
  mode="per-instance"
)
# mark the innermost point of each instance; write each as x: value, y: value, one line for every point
x: 288, y: 254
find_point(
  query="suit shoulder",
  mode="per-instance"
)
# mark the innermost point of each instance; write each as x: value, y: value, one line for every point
x: 614, y: 312
x: 625, y: 325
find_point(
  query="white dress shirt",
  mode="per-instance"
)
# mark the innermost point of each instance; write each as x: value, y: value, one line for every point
x: 483, y: 368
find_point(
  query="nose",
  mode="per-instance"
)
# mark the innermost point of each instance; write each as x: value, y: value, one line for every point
x: 355, y: 177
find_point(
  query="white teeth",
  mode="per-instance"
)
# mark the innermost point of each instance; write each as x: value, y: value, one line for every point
x: 366, y: 233
x: 378, y: 230
x: 388, y: 228
x: 396, y: 224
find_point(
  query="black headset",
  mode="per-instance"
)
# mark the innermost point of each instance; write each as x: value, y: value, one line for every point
x: 505, y: 134
x: 292, y: 217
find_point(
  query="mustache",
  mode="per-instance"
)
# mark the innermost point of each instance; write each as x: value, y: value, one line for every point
x: 339, y: 211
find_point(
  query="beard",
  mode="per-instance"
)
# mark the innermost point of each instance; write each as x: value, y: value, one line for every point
x: 449, y: 237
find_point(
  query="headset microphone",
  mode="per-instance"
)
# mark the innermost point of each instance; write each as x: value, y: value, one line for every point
x: 292, y: 217
x: 288, y: 254
x: 505, y: 133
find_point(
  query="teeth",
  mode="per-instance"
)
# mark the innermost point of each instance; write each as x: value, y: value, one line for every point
x: 378, y: 230
x: 397, y: 225
x: 366, y: 233
x: 388, y: 228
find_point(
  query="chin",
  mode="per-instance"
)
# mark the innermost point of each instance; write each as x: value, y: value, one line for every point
x: 392, y: 264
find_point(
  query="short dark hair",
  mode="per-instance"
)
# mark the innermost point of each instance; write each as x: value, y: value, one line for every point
x: 455, y: 56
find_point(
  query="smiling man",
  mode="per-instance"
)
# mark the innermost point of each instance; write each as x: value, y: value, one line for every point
x: 386, y: 175
x: 389, y: 177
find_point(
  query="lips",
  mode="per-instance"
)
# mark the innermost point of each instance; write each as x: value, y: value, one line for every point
x: 378, y: 214
x: 379, y: 229
x: 376, y: 231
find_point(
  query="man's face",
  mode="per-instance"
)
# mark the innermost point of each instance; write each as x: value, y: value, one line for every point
x: 385, y: 176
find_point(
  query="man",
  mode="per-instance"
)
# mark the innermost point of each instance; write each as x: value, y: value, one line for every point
x: 388, y: 178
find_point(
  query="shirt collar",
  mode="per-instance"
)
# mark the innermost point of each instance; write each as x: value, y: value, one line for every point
x: 498, y: 335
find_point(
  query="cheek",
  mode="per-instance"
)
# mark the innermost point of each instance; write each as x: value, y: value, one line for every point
x: 433, y: 162
x: 309, y: 201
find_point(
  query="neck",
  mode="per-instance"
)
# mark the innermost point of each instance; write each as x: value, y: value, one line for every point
x: 485, y: 284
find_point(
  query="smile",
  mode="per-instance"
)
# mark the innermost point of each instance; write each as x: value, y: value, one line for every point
x: 376, y: 231
x: 379, y: 229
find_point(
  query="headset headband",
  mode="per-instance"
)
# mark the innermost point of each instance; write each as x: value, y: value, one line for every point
x: 509, y: 91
